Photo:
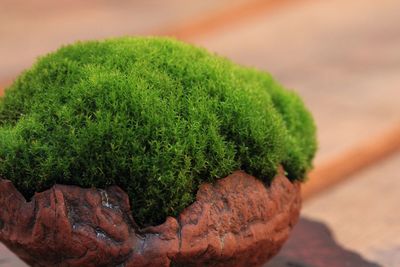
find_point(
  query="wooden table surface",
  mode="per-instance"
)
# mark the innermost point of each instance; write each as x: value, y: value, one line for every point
x: 364, y: 213
x: 312, y: 244
x: 342, y: 57
x: 29, y: 29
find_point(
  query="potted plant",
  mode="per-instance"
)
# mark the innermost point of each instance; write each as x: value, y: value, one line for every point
x: 149, y: 152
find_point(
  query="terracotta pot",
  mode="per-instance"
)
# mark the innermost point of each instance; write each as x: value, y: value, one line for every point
x: 237, y: 221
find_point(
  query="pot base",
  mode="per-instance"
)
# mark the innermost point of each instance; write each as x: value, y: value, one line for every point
x: 237, y: 221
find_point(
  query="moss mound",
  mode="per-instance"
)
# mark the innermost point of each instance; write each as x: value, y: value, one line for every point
x: 152, y: 115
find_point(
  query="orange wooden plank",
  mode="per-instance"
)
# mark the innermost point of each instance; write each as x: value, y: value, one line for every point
x: 225, y: 17
x: 333, y: 170
x: 268, y: 42
x: 361, y: 156
x: 33, y: 28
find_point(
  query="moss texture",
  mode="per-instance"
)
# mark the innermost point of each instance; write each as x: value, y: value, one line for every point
x: 155, y: 116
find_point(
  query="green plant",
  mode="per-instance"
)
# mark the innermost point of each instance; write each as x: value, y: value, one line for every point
x: 153, y: 115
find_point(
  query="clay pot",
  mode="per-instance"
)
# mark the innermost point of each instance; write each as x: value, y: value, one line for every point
x: 237, y: 221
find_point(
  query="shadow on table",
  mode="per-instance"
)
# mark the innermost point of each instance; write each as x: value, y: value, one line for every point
x: 311, y: 244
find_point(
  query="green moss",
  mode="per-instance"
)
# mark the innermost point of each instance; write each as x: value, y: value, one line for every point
x: 152, y: 115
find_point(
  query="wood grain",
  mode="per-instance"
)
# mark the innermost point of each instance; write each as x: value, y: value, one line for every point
x: 363, y: 212
x: 363, y: 155
x: 29, y: 29
x: 252, y: 19
x: 312, y: 244
x: 225, y: 17
x: 344, y: 64
x: 341, y: 56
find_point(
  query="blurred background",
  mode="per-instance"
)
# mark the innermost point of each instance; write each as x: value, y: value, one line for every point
x: 341, y: 56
